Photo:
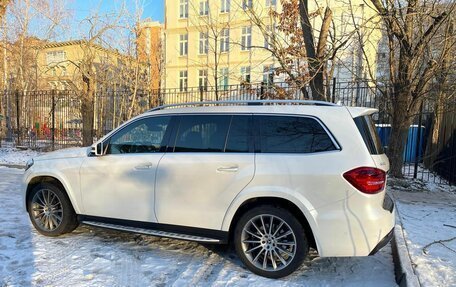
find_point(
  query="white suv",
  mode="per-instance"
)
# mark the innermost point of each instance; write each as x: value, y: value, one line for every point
x: 273, y: 177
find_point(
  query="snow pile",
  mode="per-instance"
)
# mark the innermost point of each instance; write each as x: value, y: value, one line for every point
x: 96, y: 257
x: 428, y: 218
x: 13, y: 156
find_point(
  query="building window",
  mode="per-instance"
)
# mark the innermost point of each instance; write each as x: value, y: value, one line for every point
x: 223, y: 79
x: 247, y: 4
x: 204, y: 8
x: 246, y: 40
x: 64, y: 71
x: 245, y: 74
x: 55, y: 57
x: 268, y: 74
x: 183, y: 44
x: 183, y: 9
x: 271, y: 3
x: 202, y: 80
x: 148, y: 42
x: 203, y: 43
x: 225, y: 40
x: 225, y: 6
x: 183, y: 81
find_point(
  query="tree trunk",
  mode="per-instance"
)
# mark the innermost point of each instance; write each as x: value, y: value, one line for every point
x: 87, y: 113
x: 399, y: 131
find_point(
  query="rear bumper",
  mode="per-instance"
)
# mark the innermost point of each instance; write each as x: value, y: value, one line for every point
x: 362, y: 225
x: 383, y: 242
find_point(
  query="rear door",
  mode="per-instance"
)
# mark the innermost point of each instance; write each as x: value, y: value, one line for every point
x: 211, y: 161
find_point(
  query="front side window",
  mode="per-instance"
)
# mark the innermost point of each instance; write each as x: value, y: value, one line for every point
x: 202, y: 133
x: 142, y: 136
x: 286, y: 134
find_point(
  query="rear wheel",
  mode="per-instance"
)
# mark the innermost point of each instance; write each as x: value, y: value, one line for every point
x: 50, y: 210
x: 270, y: 241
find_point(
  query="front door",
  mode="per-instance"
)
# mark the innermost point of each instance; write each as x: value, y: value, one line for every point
x: 120, y: 184
x: 211, y: 163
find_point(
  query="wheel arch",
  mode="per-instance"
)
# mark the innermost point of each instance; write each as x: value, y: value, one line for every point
x: 275, y: 201
x: 51, y: 180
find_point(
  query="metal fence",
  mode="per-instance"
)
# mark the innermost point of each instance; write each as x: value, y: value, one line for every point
x: 49, y: 120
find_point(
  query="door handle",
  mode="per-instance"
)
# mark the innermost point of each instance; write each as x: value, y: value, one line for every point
x: 234, y: 168
x: 144, y: 166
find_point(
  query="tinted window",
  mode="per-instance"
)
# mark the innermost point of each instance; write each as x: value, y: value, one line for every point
x: 279, y: 134
x: 239, y: 134
x: 369, y: 133
x: 202, y: 133
x: 142, y: 136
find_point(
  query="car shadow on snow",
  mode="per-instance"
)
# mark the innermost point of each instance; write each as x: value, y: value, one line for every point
x: 120, y: 258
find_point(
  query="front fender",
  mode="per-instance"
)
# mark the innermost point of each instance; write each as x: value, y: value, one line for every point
x: 69, y: 178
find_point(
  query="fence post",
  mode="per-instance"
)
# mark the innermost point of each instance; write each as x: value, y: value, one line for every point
x: 18, y: 128
x: 418, y: 142
x: 53, y: 119
x: 333, y: 96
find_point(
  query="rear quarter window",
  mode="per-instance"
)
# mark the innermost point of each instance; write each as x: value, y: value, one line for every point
x: 288, y: 134
x: 367, y: 129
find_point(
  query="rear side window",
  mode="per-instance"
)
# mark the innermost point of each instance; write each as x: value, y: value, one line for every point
x: 369, y: 133
x: 286, y: 134
x: 202, y: 133
x: 239, y: 134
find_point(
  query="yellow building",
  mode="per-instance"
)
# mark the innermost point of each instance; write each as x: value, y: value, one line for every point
x: 58, y: 67
x: 214, y: 42
x: 150, y: 48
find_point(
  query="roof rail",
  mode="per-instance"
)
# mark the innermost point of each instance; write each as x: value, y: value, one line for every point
x: 246, y: 102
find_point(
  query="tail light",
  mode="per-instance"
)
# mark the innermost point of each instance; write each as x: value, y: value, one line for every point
x: 368, y: 180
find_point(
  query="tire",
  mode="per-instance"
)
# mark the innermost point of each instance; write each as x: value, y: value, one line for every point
x: 252, y: 242
x: 50, y: 210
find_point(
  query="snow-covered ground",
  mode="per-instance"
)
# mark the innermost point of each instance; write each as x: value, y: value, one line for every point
x: 13, y: 156
x: 428, y: 217
x: 96, y: 257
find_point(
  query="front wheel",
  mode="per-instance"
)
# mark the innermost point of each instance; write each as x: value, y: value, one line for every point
x: 270, y: 241
x: 50, y: 210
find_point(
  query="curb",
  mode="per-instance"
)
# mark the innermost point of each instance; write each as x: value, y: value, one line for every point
x: 405, y: 276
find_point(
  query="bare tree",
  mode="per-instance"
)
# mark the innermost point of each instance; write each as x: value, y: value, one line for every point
x: 411, y: 26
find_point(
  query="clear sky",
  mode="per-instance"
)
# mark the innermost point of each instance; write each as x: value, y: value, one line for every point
x: 151, y: 8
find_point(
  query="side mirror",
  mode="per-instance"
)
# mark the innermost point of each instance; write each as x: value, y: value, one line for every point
x: 98, y: 150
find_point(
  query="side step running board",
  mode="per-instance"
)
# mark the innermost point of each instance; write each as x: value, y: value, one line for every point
x: 152, y: 232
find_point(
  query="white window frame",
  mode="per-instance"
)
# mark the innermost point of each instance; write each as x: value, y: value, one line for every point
x: 204, y: 8
x: 225, y: 40
x: 183, y: 44
x: 183, y: 80
x: 57, y: 56
x: 183, y: 9
x: 247, y: 4
x: 268, y: 74
x: 246, y: 38
x: 203, y: 43
x: 246, y: 75
x: 223, y: 78
x: 225, y: 6
x: 202, y: 80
